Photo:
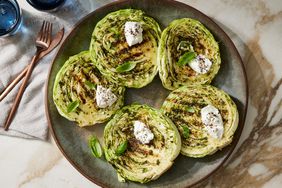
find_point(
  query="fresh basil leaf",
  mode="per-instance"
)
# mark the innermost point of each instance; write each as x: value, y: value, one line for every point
x: 95, y: 147
x: 186, y: 131
x: 90, y: 84
x: 72, y: 106
x: 125, y: 67
x: 122, y: 148
x: 190, y: 109
x: 186, y: 58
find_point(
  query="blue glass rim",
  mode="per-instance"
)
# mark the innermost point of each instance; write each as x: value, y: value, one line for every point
x: 18, y: 20
x: 45, y: 7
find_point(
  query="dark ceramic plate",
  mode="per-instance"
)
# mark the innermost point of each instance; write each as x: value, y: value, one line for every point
x: 73, y: 140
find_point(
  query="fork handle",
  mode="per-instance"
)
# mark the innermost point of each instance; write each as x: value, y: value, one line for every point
x: 21, y: 91
x: 11, y: 85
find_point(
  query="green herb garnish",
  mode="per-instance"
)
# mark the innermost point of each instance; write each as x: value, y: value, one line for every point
x: 90, y: 84
x: 72, y: 106
x: 186, y: 58
x: 121, y: 148
x: 95, y: 147
x: 125, y: 67
x: 190, y: 109
x: 186, y: 131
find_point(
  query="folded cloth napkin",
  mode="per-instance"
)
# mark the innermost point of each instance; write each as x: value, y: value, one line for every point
x: 29, y: 121
x: 16, y: 52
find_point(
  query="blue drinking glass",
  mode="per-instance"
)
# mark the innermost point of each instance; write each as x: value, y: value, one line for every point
x: 46, y: 5
x: 10, y: 17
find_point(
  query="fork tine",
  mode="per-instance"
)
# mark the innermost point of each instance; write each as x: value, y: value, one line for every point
x: 47, y: 32
x: 41, y: 32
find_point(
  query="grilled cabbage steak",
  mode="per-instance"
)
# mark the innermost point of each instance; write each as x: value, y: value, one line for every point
x: 139, y: 161
x: 132, y: 66
x: 188, y: 54
x: 185, y: 107
x: 75, y: 90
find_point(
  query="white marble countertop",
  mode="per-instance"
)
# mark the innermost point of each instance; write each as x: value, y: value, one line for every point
x: 255, y: 27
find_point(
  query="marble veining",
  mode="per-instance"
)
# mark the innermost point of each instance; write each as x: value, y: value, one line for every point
x: 255, y: 26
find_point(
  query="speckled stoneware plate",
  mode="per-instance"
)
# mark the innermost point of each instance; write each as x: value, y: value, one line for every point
x: 73, y: 141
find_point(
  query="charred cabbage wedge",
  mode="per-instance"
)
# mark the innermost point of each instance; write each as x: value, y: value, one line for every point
x: 74, y: 91
x: 134, y: 66
x: 184, y: 39
x: 183, y: 106
x: 132, y: 159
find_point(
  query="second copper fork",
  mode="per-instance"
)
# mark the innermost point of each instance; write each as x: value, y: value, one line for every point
x: 43, y: 41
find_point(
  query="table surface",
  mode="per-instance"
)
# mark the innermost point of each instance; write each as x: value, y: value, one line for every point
x: 255, y: 26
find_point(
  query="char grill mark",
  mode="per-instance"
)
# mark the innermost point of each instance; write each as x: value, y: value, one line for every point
x: 87, y: 93
x: 134, y: 146
x: 127, y: 53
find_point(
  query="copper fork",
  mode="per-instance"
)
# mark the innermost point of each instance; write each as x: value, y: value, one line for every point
x: 43, y: 41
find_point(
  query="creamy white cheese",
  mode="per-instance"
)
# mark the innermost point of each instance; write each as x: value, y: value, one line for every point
x: 201, y: 64
x: 212, y: 121
x: 142, y: 133
x: 104, y: 97
x: 133, y: 33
